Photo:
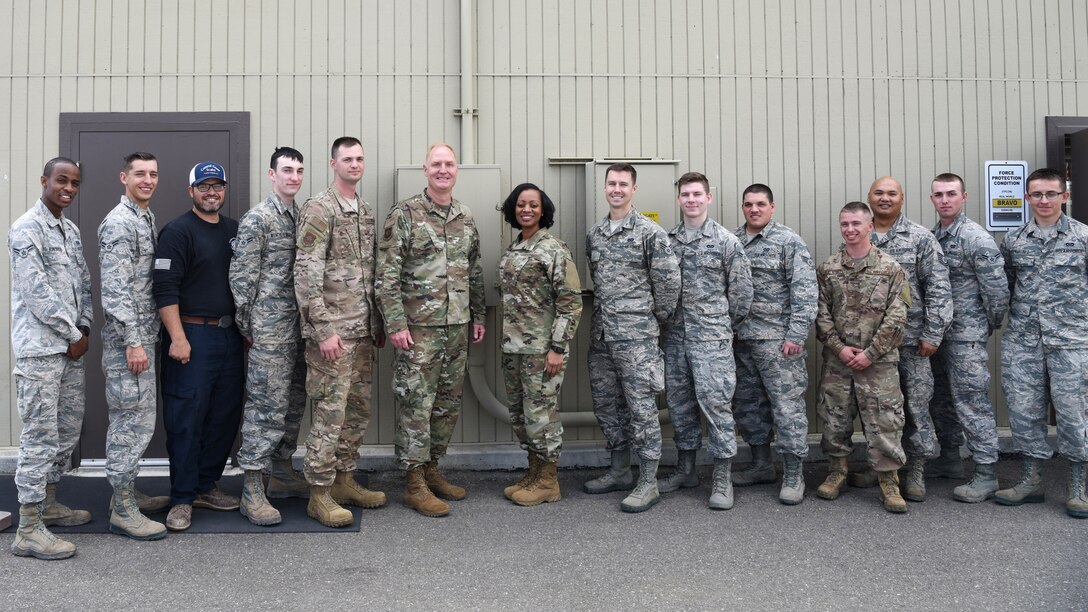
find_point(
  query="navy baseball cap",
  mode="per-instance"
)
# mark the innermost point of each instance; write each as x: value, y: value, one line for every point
x: 206, y: 170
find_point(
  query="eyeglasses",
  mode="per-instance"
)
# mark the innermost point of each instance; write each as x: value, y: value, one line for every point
x: 205, y: 187
x: 1037, y: 196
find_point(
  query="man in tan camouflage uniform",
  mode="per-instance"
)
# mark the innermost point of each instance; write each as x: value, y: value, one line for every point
x: 334, y: 286
x: 860, y: 319
x: 636, y: 282
x: 262, y: 280
x: 51, y: 316
x: 126, y: 253
x: 430, y: 289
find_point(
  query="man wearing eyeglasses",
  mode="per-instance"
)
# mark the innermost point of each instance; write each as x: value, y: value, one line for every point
x: 202, y: 375
x: 1044, y: 353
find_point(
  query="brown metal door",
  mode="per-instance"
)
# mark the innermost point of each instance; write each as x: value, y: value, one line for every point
x: 99, y: 142
x: 1078, y: 174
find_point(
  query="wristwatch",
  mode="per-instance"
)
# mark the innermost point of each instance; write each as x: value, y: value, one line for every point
x: 559, y: 348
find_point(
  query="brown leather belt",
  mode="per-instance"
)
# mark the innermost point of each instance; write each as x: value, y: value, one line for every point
x: 224, y: 321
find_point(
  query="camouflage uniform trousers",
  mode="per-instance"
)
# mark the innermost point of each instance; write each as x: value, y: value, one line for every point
x: 771, y: 392
x: 1033, y: 377
x: 534, y: 404
x: 961, y: 404
x: 874, y: 394
x: 625, y: 377
x: 131, y: 400
x: 700, y: 377
x: 916, y: 381
x: 275, y: 403
x: 340, y: 391
x: 428, y: 380
x: 50, y: 393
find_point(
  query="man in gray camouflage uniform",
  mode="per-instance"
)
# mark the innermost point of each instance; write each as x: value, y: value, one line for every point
x: 636, y: 287
x: 1044, y: 358
x: 700, y: 374
x: 334, y: 286
x: 917, y: 252
x: 51, y: 315
x: 961, y: 376
x: 770, y: 347
x: 126, y: 253
x: 431, y: 290
x: 262, y: 281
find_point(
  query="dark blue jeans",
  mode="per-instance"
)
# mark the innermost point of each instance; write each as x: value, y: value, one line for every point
x: 202, y: 407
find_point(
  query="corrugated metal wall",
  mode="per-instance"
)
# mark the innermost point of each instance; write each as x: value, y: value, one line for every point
x: 814, y: 98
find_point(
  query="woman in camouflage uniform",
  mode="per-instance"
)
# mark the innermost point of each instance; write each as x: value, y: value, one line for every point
x: 541, y: 305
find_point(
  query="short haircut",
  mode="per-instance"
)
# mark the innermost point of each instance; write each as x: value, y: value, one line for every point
x: 948, y: 177
x: 57, y: 161
x: 284, y: 152
x: 509, y: 207
x: 343, y: 141
x: 857, y: 207
x: 137, y: 156
x: 692, y: 177
x: 441, y: 145
x: 758, y: 188
x: 1046, y: 174
x: 623, y: 167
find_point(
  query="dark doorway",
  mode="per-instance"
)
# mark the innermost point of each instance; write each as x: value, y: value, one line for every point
x: 99, y: 142
x: 1078, y: 174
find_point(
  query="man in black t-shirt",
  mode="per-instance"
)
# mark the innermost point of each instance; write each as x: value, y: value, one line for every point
x: 202, y: 374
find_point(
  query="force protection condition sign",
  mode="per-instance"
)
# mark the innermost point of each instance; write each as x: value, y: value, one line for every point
x: 1005, y: 184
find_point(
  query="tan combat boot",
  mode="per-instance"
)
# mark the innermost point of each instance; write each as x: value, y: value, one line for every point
x: 835, y: 483
x: 439, y: 485
x: 324, y: 509
x: 526, y: 480
x: 56, y: 513
x: 284, y: 481
x: 127, y: 520
x: 418, y: 496
x: 34, y: 540
x: 254, y: 505
x: 544, y: 489
x: 889, y: 491
x: 345, y: 490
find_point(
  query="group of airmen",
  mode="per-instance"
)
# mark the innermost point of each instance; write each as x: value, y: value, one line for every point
x: 257, y: 316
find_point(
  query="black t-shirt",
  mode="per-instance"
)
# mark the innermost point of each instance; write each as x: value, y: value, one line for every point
x: 192, y: 265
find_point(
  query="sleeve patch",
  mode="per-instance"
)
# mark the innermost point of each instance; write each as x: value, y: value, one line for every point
x: 162, y: 264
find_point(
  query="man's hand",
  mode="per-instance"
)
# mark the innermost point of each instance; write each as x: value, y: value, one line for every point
x: 180, y: 350
x: 846, y: 355
x: 859, y: 362
x: 791, y: 348
x: 136, y: 357
x: 553, y: 362
x: 401, y: 340
x: 331, y: 347
x: 478, y: 330
x: 926, y: 349
x: 78, y: 348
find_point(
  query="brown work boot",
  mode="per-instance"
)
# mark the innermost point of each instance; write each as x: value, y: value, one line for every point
x: 438, y: 484
x: 526, y: 480
x: 180, y: 517
x: 34, y: 540
x: 418, y: 496
x: 835, y: 483
x: 216, y: 499
x: 127, y: 520
x: 285, y: 481
x: 345, y: 490
x: 889, y: 491
x: 542, y: 490
x: 324, y: 509
x: 254, y: 505
x: 56, y: 513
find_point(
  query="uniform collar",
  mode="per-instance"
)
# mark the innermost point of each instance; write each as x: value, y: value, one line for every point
x: 283, y: 209
x: 1032, y: 227
x: 680, y: 232
x: 42, y: 211
x: 345, y: 205
x: 952, y: 230
x: 742, y: 232
x: 434, y: 208
x: 527, y: 245
x: 627, y: 222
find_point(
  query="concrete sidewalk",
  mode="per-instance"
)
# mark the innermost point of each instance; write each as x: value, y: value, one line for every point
x: 584, y: 554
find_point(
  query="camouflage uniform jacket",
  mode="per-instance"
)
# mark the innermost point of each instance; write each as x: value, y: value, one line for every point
x: 976, y: 270
x: 1049, y: 283
x: 862, y: 305
x: 715, y: 284
x: 429, y: 266
x: 636, y: 278
x: 541, y: 295
x: 50, y: 284
x: 919, y: 254
x: 334, y: 268
x: 126, y: 253
x: 262, y: 273
x: 784, y: 279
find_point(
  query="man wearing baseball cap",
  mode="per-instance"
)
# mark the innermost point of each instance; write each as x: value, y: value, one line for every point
x: 202, y: 371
